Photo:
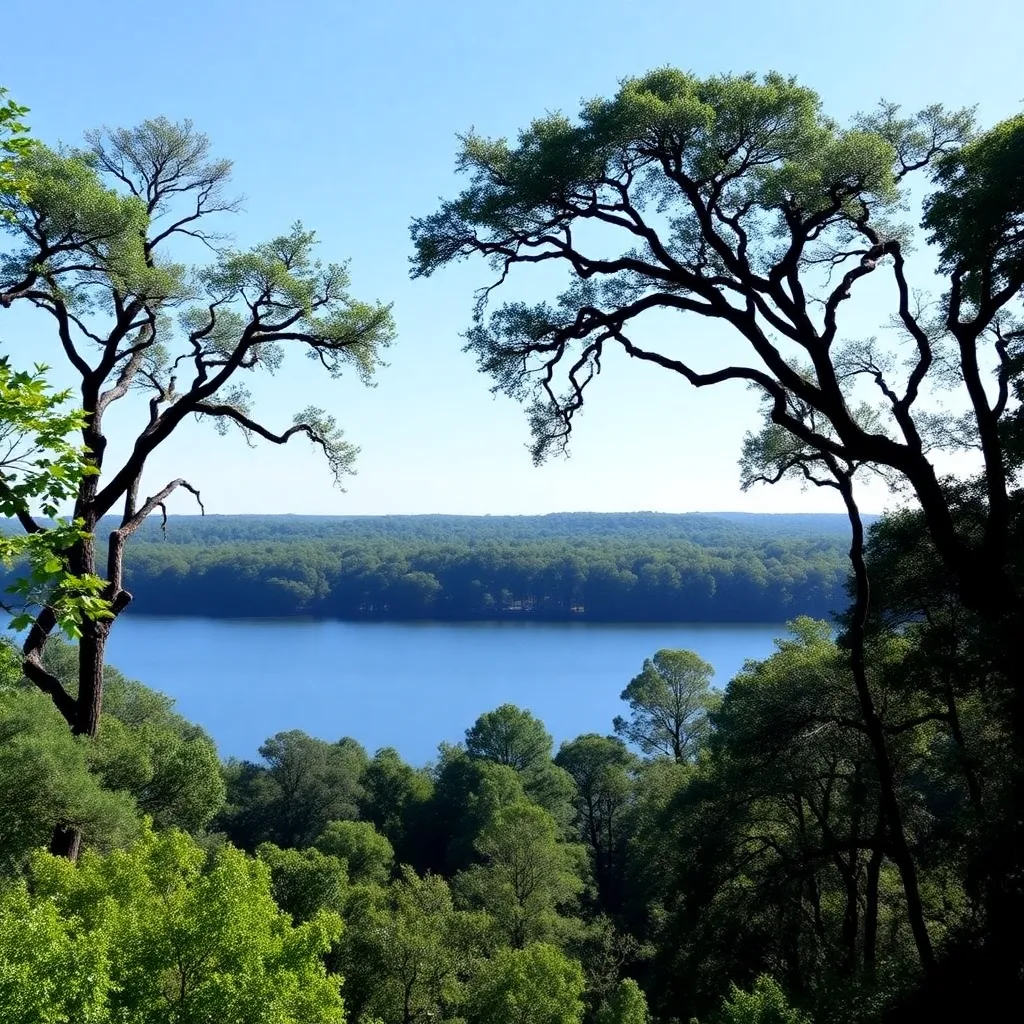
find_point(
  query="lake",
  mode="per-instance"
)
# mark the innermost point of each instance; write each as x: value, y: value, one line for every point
x: 405, y: 685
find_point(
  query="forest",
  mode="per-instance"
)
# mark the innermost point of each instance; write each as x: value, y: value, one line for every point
x: 632, y: 568
x: 832, y: 837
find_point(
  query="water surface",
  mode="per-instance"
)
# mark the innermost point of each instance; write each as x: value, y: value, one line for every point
x: 406, y: 685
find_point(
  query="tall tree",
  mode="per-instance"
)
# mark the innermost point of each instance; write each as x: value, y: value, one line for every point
x: 736, y: 200
x: 602, y: 769
x: 669, y: 701
x: 96, y: 237
x: 511, y: 736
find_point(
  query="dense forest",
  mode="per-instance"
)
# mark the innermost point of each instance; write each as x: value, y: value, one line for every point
x: 708, y: 840
x: 834, y: 837
x: 634, y: 568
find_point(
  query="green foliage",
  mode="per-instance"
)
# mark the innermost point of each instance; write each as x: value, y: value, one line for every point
x: 367, y: 854
x: 47, y: 781
x: 765, y: 1003
x: 51, y: 971
x: 514, y: 738
x: 603, y: 772
x: 159, y: 933
x: 528, y: 878
x: 510, y: 736
x: 169, y: 766
x: 535, y: 985
x: 14, y: 145
x: 40, y: 470
x: 627, y: 1005
x: 670, y: 701
x: 407, y: 950
x: 303, y: 784
x: 305, y: 882
x: 976, y: 214
x: 394, y: 799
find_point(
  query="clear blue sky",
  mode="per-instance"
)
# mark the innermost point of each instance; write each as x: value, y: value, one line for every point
x: 344, y: 115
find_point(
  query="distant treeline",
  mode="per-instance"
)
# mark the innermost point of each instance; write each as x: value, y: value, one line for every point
x: 631, y: 568
x: 635, y: 567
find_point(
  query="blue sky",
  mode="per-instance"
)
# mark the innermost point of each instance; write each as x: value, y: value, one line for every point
x: 344, y: 116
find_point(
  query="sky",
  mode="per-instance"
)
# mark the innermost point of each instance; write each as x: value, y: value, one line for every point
x: 345, y: 116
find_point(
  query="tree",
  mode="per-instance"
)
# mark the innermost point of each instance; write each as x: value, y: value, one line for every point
x: 528, y: 877
x: 535, y: 985
x: 407, y: 950
x: 511, y: 736
x: 40, y: 467
x: 765, y: 1003
x: 367, y: 854
x: 770, y: 456
x: 47, y: 782
x: 468, y: 793
x: 305, y: 882
x: 304, y: 784
x: 736, y: 200
x: 173, y: 934
x: 627, y: 1005
x: 670, y: 701
x: 96, y: 233
x: 602, y: 767
x: 48, y: 970
x: 169, y: 765
x: 394, y: 799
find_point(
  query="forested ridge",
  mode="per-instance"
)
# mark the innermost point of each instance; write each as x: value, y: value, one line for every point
x: 603, y: 567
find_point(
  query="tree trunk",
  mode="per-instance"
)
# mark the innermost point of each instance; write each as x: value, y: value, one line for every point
x: 851, y: 872
x: 899, y: 848
x: 91, y: 650
x: 871, y: 898
x: 66, y: 842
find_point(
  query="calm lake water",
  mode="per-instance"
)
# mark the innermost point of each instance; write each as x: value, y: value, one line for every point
x: 406, y: 685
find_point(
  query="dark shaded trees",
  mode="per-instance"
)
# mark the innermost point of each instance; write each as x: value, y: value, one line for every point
x: 95, y: 235
x: 303, y: 784
x: 603, y: 771
x: 528, y: 878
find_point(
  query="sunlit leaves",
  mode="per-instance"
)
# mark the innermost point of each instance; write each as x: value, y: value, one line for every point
x: 182, y: 935
x: 14, y: 144
x: 535, y: 985
x: 40, y: 469
x: 670, y: 702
